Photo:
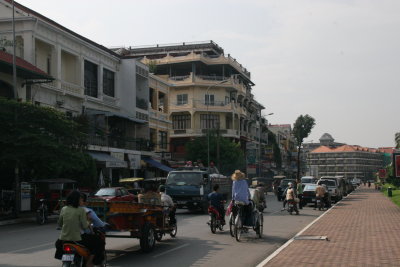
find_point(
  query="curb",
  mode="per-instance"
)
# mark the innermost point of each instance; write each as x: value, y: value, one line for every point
x: 276, y: 252
x: 16, y: 221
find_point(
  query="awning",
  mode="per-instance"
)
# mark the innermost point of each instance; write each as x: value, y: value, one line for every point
x: 113, y: 114
x: 25, y: 69
x: 110, y: 161
x: 157, y: 164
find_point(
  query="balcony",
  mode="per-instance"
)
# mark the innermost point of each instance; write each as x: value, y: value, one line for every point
x: 219, y: 60
x: 119, y: 142
x: 71, y: 88
x: 202, y: 132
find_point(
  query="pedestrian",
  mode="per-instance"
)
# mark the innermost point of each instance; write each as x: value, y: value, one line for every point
x: 300, y: 193
x: 319, y: 194
x: 369, y: 183
x: 212, y: 168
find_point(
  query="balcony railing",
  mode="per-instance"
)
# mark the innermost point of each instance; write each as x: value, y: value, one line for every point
x: 199, y: 132
x: 118, y: 142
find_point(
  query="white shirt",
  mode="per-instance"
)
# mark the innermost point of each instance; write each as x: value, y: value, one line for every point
x: 166, y: 200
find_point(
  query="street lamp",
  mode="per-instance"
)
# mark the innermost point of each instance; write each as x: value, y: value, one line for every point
x: 208, y: 120
x: 259, y: 143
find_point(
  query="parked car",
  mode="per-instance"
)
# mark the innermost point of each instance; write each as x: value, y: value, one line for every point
x: 308, y: 180
x: 309, y: 194
x: 339, y: 183
x: 282, y: 187
x: 115, y: 194
x: 332, y: 187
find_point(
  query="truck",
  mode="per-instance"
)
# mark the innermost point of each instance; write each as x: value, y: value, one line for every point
x: 189, y: 187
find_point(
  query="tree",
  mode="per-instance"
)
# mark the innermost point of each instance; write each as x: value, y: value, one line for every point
x: 43, y: 143
x: 231, y: 156
x: 302, y: 129
x: 397, y: 140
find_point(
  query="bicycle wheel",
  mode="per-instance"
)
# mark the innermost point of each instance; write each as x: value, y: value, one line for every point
x: 238, y: 228
x: 232, y: 225
x: 260, y: 225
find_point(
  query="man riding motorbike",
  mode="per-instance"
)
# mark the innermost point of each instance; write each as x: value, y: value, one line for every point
x: 168, y: 204
x: 319, y: 194
x: 216, y: 201
x: 290, y: 197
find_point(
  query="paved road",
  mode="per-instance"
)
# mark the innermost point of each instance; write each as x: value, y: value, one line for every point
x: 195, y: 245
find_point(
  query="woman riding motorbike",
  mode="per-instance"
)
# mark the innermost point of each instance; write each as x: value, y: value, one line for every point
x: 73, y: 222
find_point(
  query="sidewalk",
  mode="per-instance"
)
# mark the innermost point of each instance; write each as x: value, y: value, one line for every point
x: 363, y: 230
x: 23, y: 217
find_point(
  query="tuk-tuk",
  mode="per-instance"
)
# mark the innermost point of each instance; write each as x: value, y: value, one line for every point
x: 134, y: 184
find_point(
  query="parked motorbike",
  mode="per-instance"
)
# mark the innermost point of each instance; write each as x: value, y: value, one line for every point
x: 76, y: 255
x: 42, y: 212
x: 216, y: 219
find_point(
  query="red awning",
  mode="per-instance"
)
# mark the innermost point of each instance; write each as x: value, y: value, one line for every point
x: 25, y: 69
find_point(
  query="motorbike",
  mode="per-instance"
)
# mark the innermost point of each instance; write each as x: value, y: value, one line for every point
x: 76, y: 255
x: 42, y: 212
x: 290, y: 209
x: 216, y: 219
x: 320, y: 203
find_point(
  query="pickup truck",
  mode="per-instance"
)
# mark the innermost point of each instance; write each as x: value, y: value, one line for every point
x: 189, y: 187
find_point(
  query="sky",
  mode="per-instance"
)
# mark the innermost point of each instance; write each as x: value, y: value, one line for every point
x: 336, y: 60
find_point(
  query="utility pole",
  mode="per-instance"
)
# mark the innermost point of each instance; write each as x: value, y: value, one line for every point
x: 16, y: 169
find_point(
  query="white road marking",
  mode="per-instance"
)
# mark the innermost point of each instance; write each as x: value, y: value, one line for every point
x: 168, y: 251
x: 38, y: 246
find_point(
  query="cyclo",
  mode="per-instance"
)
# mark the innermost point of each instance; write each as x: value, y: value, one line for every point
x: 244, y: 217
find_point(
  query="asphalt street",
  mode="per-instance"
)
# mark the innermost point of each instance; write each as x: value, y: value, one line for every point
x: 33, y: 245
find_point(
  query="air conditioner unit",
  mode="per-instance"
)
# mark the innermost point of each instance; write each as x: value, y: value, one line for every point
x: 60, y: 103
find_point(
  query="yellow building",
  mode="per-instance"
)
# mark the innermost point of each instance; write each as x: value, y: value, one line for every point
x: 208, y: 90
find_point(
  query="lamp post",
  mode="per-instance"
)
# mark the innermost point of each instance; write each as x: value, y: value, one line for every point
x: 259, y: 143
x: 208, y: 120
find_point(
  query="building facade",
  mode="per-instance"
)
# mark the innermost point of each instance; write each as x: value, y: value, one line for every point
x: 208, y: 90
x: 349, y: 161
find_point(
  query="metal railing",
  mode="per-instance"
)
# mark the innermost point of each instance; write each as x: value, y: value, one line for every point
x: 139, y: 144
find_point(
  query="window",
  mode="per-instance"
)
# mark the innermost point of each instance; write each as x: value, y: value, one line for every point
x: 108, y: 82
x: 209, y: 121
x: 48, y: 64
x: 180, y: 122
x: 209, y: 100
x: 90, y: 79
x: 227, y: 100
x: 182, y: 99
x: 163, y: 139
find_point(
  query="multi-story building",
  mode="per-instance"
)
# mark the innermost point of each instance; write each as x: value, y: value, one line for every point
x: 350, y: 161
x: 286, y: 143
x: 61, y: 69
x: 208, y: 90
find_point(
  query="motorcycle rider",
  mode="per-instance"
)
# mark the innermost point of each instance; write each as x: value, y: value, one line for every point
x: 72, y: 221
x: 290, y: 197
x: 319, y: 194
x: 216, y: 201
x: 150, y: 195
x: 167, y: 203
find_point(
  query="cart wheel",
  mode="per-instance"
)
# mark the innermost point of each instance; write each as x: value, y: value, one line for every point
x: 158, y: 236
x: 174, y: 231
x: 147, y: 239
x: 238, y: 228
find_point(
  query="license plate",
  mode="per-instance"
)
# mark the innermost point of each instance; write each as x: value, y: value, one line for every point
x: 181, y: 202
x: 67, y: 257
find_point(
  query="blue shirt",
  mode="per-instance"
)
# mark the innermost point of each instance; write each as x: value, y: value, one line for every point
x: 240, y: 191
x: 215, y: 199
x: 97, y: 222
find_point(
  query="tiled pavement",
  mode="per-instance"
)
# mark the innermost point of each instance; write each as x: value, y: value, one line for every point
x: 363, y: 231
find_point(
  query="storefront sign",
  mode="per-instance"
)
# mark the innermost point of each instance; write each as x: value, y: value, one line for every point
x: 134, y: 161
x: 118, y: 155
x: 382, y: 173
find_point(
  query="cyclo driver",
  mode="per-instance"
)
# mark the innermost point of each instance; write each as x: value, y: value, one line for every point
x: 168, y: 204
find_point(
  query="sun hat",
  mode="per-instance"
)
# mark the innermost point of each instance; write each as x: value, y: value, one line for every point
x: 238, y: 175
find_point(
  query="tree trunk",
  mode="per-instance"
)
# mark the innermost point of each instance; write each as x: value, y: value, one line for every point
x: 298, y: 161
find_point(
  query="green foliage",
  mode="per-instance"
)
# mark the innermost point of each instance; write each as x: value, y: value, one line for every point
x: 152, y: 66
x: 302, y: 129
x: 395, y: 193
x: 44, y: 143
x: 275, y: 148
x: 397, y: 140
x: 231, y: 156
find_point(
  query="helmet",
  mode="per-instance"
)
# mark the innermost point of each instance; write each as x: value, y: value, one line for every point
x: 290, y: 184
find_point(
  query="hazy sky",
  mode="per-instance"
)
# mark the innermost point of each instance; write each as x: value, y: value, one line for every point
x: 338, y: 61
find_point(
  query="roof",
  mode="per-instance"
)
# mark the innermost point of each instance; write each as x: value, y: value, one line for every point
x: 327, y: 137
x: 52, y: 22
x: 24, y: 69
x: 345, y: 148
